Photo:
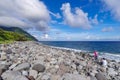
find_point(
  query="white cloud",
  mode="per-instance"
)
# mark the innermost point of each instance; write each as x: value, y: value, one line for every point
x: 24, y: 13
x: 114, y: 7
x: 107, y: 29
x: 94, y: 20
x: 8, y: 21
x: 76, y: 19
x: 57, y: 15
x: 45, y: 36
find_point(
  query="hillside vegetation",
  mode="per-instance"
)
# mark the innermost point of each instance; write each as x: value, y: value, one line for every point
x: 14, y: 34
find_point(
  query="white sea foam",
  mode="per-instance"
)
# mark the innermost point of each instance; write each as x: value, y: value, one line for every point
x: 110, y: 56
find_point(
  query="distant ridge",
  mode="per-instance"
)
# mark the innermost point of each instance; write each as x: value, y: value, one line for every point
x: 15, y: 34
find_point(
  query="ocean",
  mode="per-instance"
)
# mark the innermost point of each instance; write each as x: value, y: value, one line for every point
x: 107, y: 49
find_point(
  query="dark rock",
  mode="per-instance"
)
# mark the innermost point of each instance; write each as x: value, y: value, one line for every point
x: 100, y: 76
x: 8, y: 51
x: 1, y: 78
x: 3, y: 68
x: 39, y: 67
x: 31, y: 78
x: 93, y: 78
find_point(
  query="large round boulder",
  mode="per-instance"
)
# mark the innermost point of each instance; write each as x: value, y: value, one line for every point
x: 13, y: 75
x: 39, y: 67
x: 100, y: 76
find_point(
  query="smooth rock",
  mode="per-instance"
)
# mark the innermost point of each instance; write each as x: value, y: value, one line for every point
x: 33, y: 73
x: 39, y: 67
x: 55, y: 77
x: 3, y: 56
x: 13, y: 75
x: 45, y: 77
x: 13, y: 66
x: 68, y: 76
x: 31, y: 78
x: 3, y: 68
x: 1, y: 78
x: 112, y: 72
x: 25, y: 73
x: 100, y: 76
x: 83, y: 63
x: 8, y: 51
x: 92, y: 78
x: 62, y: 69
x: 79, y: 68
x: 73, y: 66
x: 22, y: 66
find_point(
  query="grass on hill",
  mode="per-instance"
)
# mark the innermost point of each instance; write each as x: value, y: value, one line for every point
x: 9, y: 36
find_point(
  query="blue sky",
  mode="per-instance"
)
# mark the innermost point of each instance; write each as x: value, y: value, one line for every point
x: 59, y: 20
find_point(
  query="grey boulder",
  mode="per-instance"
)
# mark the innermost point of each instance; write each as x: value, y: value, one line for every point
x: 13, y: 75
x: 39, y: 67
x: 23, y: 66
x: 100, y: 76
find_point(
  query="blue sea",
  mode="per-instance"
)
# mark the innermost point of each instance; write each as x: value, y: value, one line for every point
x: 108, y: 49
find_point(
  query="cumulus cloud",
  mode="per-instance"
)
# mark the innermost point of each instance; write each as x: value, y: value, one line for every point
x: 114, y: 7
x: 8, y: 21
x: 107, y: 29
x: 24, y: 13
x: 77, y: 19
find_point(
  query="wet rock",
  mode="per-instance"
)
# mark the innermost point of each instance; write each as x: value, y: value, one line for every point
x: 39, y: 67
x: 22, y: 66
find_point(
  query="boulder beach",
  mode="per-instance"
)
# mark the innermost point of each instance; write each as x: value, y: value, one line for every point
x: 34, y: 61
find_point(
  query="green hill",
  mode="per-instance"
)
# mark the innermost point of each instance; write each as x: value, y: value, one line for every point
x: 14, y: 34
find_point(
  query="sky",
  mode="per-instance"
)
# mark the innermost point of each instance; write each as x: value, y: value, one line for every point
x: 64, y: 20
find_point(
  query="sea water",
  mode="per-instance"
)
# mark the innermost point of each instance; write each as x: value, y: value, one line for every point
x: 107, y: 49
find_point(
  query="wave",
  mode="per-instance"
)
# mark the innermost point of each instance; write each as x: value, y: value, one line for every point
x: 110, y: 56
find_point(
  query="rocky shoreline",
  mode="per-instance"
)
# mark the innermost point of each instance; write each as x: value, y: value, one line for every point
x: 34, y: 61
